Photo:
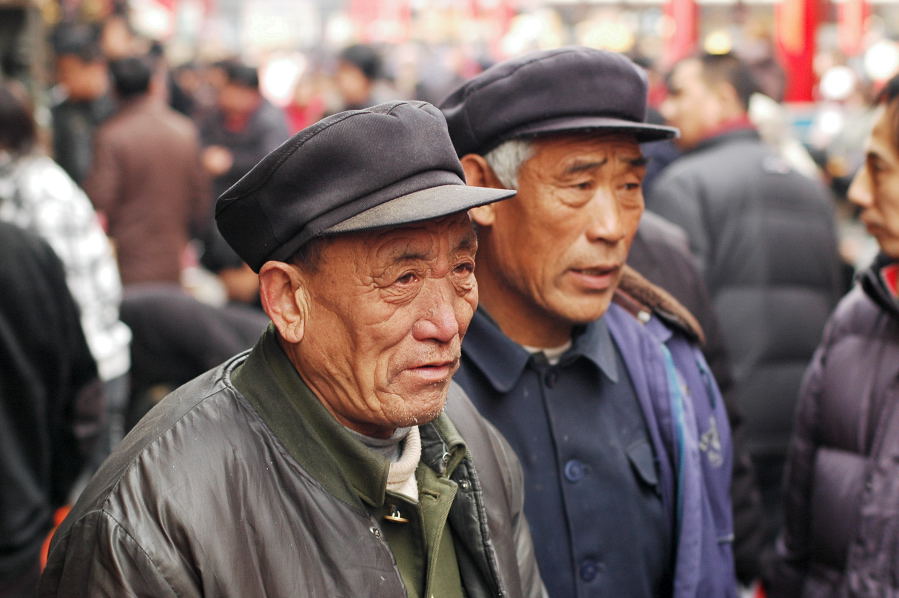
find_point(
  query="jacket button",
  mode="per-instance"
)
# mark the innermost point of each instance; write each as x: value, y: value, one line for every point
x: 575, y: 470
x: 589, y: 570
x: 551, y: 377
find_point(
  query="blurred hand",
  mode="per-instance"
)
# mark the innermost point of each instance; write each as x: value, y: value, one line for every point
x: 217, y: 160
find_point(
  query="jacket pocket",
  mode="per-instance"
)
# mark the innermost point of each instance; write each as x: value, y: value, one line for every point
x: 643, y: 463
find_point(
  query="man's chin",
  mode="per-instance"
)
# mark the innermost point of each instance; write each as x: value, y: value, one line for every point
x: 581, y: 311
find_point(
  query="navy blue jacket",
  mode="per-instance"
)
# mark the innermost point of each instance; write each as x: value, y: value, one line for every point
x: 686, y: 424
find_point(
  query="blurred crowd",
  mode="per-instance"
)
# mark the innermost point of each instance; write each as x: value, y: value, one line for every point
x: 115, y: 169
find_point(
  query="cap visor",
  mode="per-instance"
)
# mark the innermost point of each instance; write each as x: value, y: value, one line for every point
x: 421, y: 205
x: 643, y: 131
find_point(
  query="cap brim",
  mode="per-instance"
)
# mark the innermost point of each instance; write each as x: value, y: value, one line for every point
x: 419, y: 206
x: 642, y: 131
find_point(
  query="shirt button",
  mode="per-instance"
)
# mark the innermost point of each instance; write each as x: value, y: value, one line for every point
x: 589, y: 570
x: 575, y: 470
x: 551, y: 377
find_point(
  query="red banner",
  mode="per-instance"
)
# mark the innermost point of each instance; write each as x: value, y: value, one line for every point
x: 683, y: 30
x: 796, y: 28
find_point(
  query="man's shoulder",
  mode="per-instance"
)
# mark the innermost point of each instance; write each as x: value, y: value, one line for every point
x: 643, y: 300
x: 184, y: 434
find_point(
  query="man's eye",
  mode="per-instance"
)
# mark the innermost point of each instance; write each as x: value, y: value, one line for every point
x: 584, y: 186
x: 407, y: 278
x: 464, y: 268
x: 632, y: 186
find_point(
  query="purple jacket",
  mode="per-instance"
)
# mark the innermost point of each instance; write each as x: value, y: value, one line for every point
x: 841, y: 535
x: 690, y: 433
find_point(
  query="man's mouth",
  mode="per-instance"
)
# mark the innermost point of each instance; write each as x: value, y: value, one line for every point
x: 596, y: 277
x: 434, y: 370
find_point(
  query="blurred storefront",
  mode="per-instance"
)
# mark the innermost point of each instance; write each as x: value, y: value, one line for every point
x: 806, y: 37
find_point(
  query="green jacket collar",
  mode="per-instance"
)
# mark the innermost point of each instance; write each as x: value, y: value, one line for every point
x: 346, y: 468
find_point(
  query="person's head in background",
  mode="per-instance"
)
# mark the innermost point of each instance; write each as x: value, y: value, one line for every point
x: 358, y: 69
x: 239, y: 97
x: 133, y: 77
x: 18, y: 131
x: 81, y: 68
x: 707, y: 94
x: 875, y: 189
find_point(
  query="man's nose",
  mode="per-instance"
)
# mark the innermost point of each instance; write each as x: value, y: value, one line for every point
x: 860, y: 190
x: 606, y: 217
x: 439, y: 321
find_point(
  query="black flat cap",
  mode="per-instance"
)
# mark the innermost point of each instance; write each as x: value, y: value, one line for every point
x: 553, y: 91
x: 387, y: 165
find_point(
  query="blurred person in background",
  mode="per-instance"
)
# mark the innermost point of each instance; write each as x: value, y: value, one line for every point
x: 359, y: 68
x: 763, y: 235
x: 51, y: 403
x: 841, y: 510
x: 242, y: 129
x: 37, y: 195
x: 82, y: 96
x: 146, y: 178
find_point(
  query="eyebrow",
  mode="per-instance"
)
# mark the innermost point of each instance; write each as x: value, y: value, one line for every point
x: 637, y: 162
x: 578, y: 167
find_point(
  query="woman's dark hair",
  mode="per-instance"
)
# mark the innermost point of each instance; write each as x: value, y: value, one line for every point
x: 18, y: 131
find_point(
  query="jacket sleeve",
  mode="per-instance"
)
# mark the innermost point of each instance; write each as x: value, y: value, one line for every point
x: 531, y: 582
x: 99, y: 557
x: 787, y: 569
x: 103, y: 184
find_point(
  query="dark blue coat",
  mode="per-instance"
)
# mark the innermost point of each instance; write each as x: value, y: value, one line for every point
x: 686, y: 424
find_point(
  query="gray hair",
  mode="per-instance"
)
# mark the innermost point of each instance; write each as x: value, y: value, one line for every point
x: 506, y: 159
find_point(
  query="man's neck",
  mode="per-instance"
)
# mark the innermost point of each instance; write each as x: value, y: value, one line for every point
x: 518, y: 318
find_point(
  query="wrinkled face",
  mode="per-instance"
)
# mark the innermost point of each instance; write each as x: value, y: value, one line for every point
x: 691, y: 105
x: 387, y: 313
x: 875, y: 188
x: 558, y: 247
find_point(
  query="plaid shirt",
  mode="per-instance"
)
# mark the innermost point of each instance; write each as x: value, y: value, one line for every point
x: 36, y: 194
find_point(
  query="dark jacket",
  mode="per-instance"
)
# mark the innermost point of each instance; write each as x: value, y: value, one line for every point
x: 684, y: 417
x: 51, y: 402
x: 147, y: 179
x: 218, y: 493
x: 842, y: 496
x: 763, y: 235
x: 661, y: 253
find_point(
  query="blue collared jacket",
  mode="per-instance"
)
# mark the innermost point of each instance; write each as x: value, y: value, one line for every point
x: 687, y: 427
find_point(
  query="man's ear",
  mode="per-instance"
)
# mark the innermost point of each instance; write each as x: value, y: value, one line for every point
x: 479, y: 174
x: 728, y: 98
x: 285, y: 299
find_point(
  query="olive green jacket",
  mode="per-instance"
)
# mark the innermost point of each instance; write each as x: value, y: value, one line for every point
x: 221, y: 493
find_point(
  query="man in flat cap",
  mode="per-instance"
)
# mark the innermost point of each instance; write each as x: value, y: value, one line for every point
x: 322, y: 462
x: 593, y: 375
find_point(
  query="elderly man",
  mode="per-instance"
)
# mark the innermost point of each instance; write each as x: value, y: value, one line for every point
x: 321, y: 463
x: 592, y: 373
